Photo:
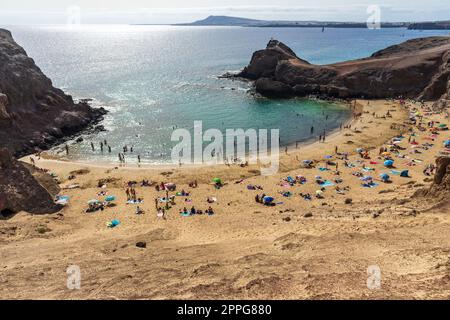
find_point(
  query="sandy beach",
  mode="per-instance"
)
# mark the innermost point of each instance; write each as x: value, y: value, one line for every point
x: 298, y: 249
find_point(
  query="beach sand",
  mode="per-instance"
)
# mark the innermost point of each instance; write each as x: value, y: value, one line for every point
x: 319, y: 249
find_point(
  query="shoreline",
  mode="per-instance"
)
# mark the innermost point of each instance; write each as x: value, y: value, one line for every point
x: 169, y: 165
x: 287, y: 162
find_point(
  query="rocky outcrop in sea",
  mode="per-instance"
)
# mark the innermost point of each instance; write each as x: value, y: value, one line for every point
x: 418, y: 69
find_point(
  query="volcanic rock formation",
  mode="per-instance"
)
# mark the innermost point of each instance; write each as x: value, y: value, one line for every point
x: 34, y: 114
x: 418, y: 68
x: 440, y: 189
x: 20, y: 191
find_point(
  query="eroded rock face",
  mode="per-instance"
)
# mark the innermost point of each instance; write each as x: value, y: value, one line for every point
x: 4, y: 106
x: 418, y: 68
x: 441, y: 183
x: 33, y: 113
x: 20, y: 191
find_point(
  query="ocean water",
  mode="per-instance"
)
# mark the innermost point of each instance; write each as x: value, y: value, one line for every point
x: 153, y: 79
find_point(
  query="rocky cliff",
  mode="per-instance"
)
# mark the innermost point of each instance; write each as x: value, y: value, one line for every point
x: 418, y: 68
x: 440, y: 189
x: 33, y: 114
x: 20, y: 190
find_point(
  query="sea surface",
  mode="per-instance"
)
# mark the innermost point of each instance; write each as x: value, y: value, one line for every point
x: 153, y: 79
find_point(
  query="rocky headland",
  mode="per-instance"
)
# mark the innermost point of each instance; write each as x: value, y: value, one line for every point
x: 417, y: 69
x: 34, y: 115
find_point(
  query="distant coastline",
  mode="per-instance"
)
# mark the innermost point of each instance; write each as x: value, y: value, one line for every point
x: 245, y: 22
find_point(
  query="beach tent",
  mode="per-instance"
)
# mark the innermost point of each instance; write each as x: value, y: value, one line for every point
x: 404, y: 174
x: 217, y: 180
x: 113, y: 223
x: 385, y: 177
x: 268, y: 199
x: 389, y: 163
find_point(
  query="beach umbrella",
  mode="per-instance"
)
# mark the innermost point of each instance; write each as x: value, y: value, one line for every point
x: 93, y: 201
x: 217, y: 180
x: 268, y: 199
x: 447, y: 143
x: 110, y: 198
x: 384, y: 176
x: 389, y: 163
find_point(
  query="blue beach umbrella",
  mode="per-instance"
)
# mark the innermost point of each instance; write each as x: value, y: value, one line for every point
x: 389, y: 163
x: 384, y: 176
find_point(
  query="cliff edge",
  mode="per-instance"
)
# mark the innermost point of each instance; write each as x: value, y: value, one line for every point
x: 34, y: 115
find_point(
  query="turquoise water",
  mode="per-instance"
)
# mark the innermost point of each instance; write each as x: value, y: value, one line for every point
x: 155, y: 78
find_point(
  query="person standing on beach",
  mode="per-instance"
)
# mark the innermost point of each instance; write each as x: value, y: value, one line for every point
x: 92, y: 146
x: 312, y: 129
x: 139, y: 158
x: 101, y: 146
x: 67, y: 149
x: 109, y: 149
x: 320, y: 138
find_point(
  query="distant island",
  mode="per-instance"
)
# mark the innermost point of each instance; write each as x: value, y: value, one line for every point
x: 245, y: 22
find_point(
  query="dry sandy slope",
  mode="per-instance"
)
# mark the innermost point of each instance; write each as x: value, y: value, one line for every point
x: 245, y: 250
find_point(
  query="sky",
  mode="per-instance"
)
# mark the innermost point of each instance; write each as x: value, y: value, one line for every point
x: 13, y: 12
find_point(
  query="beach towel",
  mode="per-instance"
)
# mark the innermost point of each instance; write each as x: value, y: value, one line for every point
x: 368, y: 169
x: 327, y: 184
x: 323, y: 169
x: 395, y: 172
x: 370, y: 185
x: 62, y: 200
x: 134, y: 202
x: 185, y: 214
